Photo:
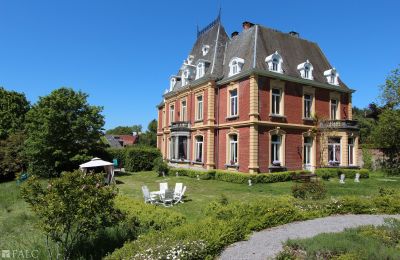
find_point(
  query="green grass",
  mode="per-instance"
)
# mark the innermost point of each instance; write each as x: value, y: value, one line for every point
x: 366, y: 242
x: 18, y: 224
x: 201, y: 192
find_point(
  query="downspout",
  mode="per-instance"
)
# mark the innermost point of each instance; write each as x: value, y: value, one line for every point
x: 217, y: 139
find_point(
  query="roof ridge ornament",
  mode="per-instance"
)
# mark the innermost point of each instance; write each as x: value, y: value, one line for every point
x: 210, y: 25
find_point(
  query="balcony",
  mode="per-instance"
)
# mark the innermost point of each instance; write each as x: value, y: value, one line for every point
x: 339, y: 124
x: 180, y: 126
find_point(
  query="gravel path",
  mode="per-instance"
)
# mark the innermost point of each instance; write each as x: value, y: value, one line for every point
x: 267, y: 243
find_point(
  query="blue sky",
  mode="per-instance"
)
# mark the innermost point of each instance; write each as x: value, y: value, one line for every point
x: 122, y: 52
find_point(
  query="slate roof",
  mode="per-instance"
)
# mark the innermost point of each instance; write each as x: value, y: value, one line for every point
x: 254, y: 45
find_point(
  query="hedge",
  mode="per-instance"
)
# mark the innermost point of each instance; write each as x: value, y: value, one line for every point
x: 135, y: 158
x: 237, y: 177
x: 224, y: 224
x: 327, y: 173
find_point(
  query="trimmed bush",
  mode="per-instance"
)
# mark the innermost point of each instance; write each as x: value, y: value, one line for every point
x: 115, y: 153
x: 309, y: 190
x: 160, y: 166
x: 326, y: 173
x: 237, y: 177
x: 140, y: 158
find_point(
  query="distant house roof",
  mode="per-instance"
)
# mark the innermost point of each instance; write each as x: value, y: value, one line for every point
x: 112, y: 141
x: 119, y: 141
x: 128, y: 139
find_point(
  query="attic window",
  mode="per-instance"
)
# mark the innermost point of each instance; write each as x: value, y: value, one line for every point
x: 185, y: 77
x: 332, y: 76
x: 205, y: 49
x: 189, y: 59
x: 200, y: 70
x: 235, y: 66
x: 306, y: 70
x: 274, y: 62
x: 172, y: 83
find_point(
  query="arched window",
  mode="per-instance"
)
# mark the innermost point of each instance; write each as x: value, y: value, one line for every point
x: 274, y: 62
x: 332, y: 76
x: 205, y: 49
x: 306, y: 70
x: 277, y: 147
x: 235, y: 66
x: 233, y: 149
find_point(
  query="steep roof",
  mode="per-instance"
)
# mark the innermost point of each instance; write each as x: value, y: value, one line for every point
x: 253, y: 45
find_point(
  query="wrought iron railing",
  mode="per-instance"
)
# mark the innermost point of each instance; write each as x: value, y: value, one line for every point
x: 180, y: 125
x: 339, y: 124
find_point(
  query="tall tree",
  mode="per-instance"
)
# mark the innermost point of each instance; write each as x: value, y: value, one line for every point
x: 390, y: 91
x: 13, y: 108
x: 150, y: 137
x: 12, y: 157
x: 63, y: 131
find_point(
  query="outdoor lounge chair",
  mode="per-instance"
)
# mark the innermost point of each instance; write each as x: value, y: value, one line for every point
x: 147, y: 197
x: 178, y: 188
x: 178, y: 197
x: 163, y: 187
x: 167, y: 198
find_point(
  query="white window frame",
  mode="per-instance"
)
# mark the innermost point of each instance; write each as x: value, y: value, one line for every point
x: 334, y: 148
x: 171, y: 114
x: 199, y: 147
x: 235, y: 66
x: 334, y: 109
x: 233, y: 150
x: 307, y: 152
x: 306, y: 70
x: 200, y: 70
x: 276, y: 147
x: 183, y: 110
x: 351, y: 147
x: 199, y: 107
x: 233, y: 100
x: 274, y: 62
x: 274, y: 105
x: 308, y: 106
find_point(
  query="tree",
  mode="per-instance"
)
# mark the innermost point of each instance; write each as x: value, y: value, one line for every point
x: 12, y: 157
x: 13, y: 108
x: 63, y: 131
x: 124, y: 130
x: 71, y: 208
x: 390, y: 92
x: 365, y: 122
x: 150, y: 137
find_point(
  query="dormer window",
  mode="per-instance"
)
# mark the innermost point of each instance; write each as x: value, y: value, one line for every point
x: 200, y: 70
x: 332, y: 76
x: 205, y: 49
x: 274, y: 62
x: 235, y: 66
x: 189, y: 59
x: 306, y: 70
x: 172, y: 83
x: 185, y: 77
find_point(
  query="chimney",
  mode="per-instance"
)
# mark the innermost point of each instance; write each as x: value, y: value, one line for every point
x: 235, y: 33
x: 294, y: 34
x: 246, y: 25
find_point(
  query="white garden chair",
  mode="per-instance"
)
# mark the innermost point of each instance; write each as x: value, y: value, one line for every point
x: 163, y: 187
x: 342, y: 177
x: 178, y: 197
x: 357, y: 178
x: 167, y: 198
x: 178, y: 188
x: 147, y: 197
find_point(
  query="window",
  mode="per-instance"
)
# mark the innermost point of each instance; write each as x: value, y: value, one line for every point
x: 233, y: 108
x: 307, y: 152
x: 276, y: 101
x: 233, y: 149
x: 306, y: 70
x: 178, y: 148
x: 183, y: 111
x: 172, y: 83
x: 199, y: 115
x: 274, y: 62
x: 199, y: 149
x: 334, y: 151
x: 205, y: 49
x: 276, y: 141
x: 334, y: 108
x: 185, y: 77
x: 332, y: 76
x: 307, y: 105
x: 200, y: 70
x: 351, y: 151
x: 171, y: 114
x: 235, y: 66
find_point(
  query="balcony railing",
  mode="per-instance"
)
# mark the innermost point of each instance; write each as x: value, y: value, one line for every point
x: 180, y: 126
x: 339, y: 124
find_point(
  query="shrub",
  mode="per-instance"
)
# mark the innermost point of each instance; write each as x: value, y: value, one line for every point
x: 119, y: 154
x: 367, y: 158
x: 309, y: 190
x: 140, y: 158
x: 326, y: 173
x: 160, y: 166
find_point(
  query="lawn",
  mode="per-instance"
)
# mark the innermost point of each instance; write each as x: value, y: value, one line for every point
x: 18, y: 225
x: 201, y: 192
